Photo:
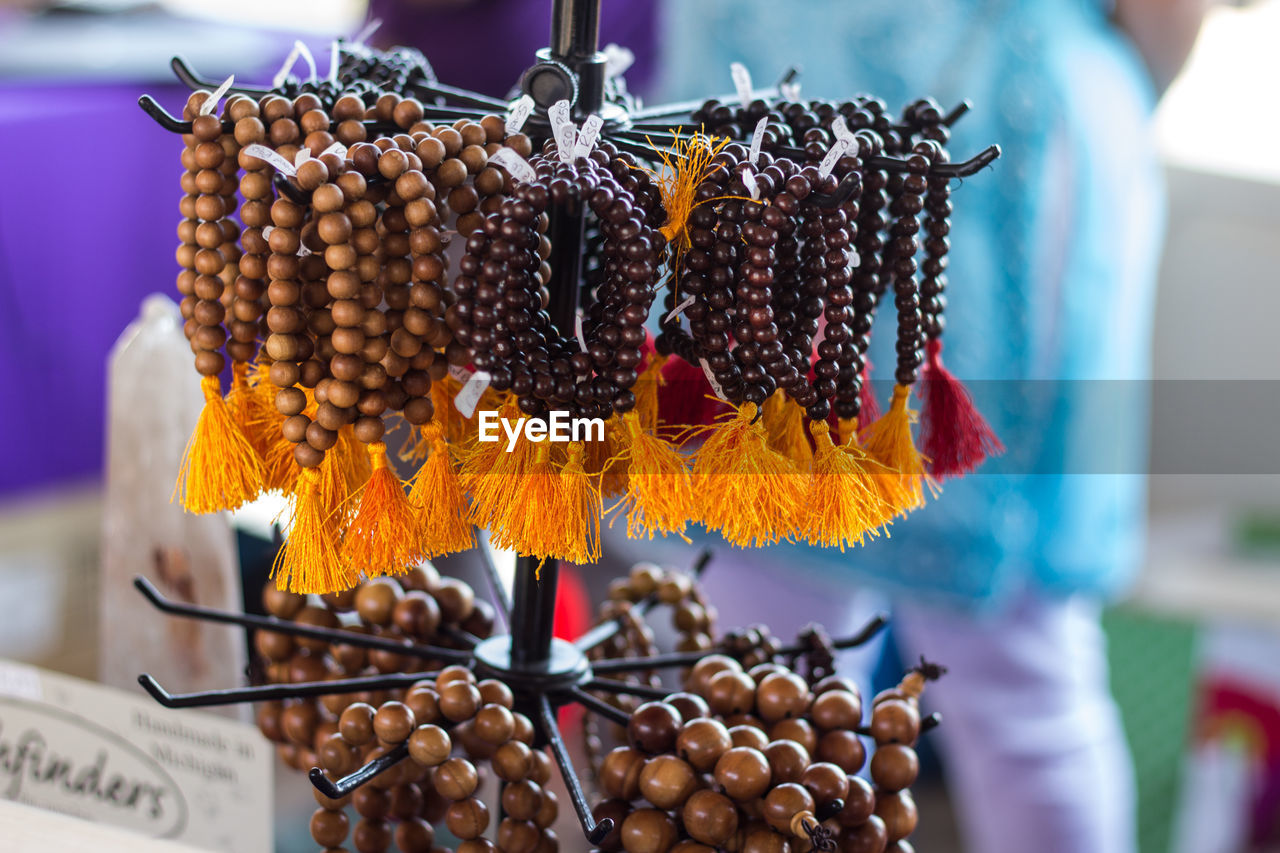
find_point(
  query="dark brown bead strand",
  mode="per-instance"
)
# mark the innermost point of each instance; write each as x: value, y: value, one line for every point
x: 900, y: 260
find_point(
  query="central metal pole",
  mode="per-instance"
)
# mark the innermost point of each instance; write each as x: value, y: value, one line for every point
x: 575, y: 39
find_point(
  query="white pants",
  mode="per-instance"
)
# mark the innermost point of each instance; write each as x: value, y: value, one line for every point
x: 1031, y: 740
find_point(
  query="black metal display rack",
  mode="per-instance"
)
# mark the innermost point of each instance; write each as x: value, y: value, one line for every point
x: 543, y: 673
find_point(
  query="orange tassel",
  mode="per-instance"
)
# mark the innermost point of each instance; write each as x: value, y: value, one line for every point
x: 491, y: 475
x: 659, y: 498
x: 438, y: 499
x: 309, y: 562
x: 528, y: 521
x: 903, y: 479
x: 382, y: 536
x: 784, y: 423
x: 748, y: 492
x: 254, y: 412
x: 580, y: 510
x: 604, y: 459
x: 646, y: 391
x: 842, y: 504
x: 846, y: 431
x: 220, y: 469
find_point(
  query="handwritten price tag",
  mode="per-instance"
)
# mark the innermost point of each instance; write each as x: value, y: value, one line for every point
x: 519, y: 114
x: 277, y: 161
x: 566, y: 135
x: 474, y: 385
x: 587, y: 136
x: 741, y: 81
x: 210, y: 105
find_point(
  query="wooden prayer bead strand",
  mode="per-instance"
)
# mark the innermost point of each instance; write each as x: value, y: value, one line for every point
x: 933, y: 284
x: 410, y: 325
x: 345, y: 286
x: 209, y: 336
x: 867, y: 276
x: 900, y: 257
x: 187, y: 247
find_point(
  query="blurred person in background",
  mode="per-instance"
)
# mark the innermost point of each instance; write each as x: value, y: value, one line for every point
x: 1052, y: 270
x: 1052, y: 277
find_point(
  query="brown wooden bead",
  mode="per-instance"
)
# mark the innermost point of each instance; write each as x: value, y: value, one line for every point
x: 456, y: 599
x: 620, y: 771
x: 281, y: 604
x: 518, y: 836
x: 762, y: 839
x: 417, y: 615
x: 550, y: 809
x: 616, y: 811
x: 782, y: 695
x: 700, y: 675
x: 456, y: 779
x: 836, y: 709
x: 787, y: 760
x: 329, y: 828
x: 743, y: 773
x: 494, y: 723
x: 376, y: 600
x: 749, y: 736
x: 653, y: 727
x: 731, y: 692
x: 690, y: 705
x: 372, y: 836
x: 797, y: 729
x: 667, y: 781
x: 701, y: 743
x: 898, y: 811
x: 859, y: 802
x: 356, y: 724
x: 710, y: 818
x: 414, y: 835
x: 783, y: 803
x: 842, y: 748
x: 298, y: 722
x: 267, y: 718
x: 648, y: 831
x: 430, y: 745
x: 513, y: 761
x: 467, y: 818
x: 522, y: 800
x: 895, y: 721
x: 393, y: 722
x: 826, y: 782
x: 894, y: 766
x: 459, y: 701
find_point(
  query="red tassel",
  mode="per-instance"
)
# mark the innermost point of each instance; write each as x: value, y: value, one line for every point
x: 954, y: 436
x: 868, y: 405
x: 685, y: 399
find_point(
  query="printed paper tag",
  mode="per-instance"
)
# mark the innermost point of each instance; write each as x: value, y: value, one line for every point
x: 711, y: 377
x: 210, y: 105
x: 577, y: 330
x: 119, y: 758
x: 757, y: 139
x: 519, y: 114
x: 303, y: 155
x: 336, y: 148
x: 587, y: 136
x: 473, y: 387
x: 617, y: 60
x: 283, y: 74
x: 840, y: 129
x: 333, y: 60
x: 741, y: 81
x: 790, y: 92
x: 265, y: 154
x: 19, y: 681
x: 837, y: 151
x: 307, y: 58
x: 566, y: 135
x: 679, y: 309
x: 519, y: 167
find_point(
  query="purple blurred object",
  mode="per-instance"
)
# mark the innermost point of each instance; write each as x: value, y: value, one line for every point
x: 485, y: 45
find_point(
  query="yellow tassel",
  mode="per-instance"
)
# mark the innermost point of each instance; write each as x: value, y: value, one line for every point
x: 527, y: 521
x: 646, y: 391
x: 251, y: 410
x: 659, y: 498
x: 580, y: 510
x: 784, y: 423
x: 491, y: 475
x: 604, y: 459
x: 442, y: 393
x: 220, y: 469
x: 685, y: 165
x: 748, y: 492
x: 843, y: 504
x: 847, y: 431
x: 309, y: 562
x: 438, y: 499
x: 382, y: 536
x: 902, y: 480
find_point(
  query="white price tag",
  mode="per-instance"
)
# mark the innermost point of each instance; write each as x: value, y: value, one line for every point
x: 790, y: 92
x: 751, y: 182
x: 210, y: 105
x: 519, y: 114
x: 265, y: 154
x: 617, y: 60
x: 336, y: 148
x: 837, y: 151
x: 283, y: 74
x: 577, y: 331
x: 303, y: 155
x: 587, y: 136
x: 679, y: 309
x: 307, y: 58
x: 840, y: 129
x: 473, y: 387
x: 741, y: 81
x: 19, y: 681
x: 711, y: 377
x: 519, y: 167
x: 757, y: 139
x: 333, y: 61
x: 566, y: 135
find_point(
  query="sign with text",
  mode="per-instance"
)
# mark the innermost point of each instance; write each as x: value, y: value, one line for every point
x: 105, y: 755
